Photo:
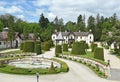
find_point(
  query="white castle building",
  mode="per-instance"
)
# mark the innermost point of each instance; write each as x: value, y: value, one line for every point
x: 70, y: 37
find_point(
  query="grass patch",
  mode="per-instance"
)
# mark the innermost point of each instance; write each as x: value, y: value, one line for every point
x: 88, y: 55
x: 14, y: 52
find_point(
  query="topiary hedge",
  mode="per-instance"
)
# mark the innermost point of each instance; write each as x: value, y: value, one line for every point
x: 93, y: 46
x: 37, y: 42
x: 65, y: 47
x: 37, y: 49
x: 46, y: 47
x: 99, y: 53
x: 82, y: 48
x: 58, y: 49
x: 22, y: 46
x: 78, y: 48
x: 86, y: 46
x: 28, y: 46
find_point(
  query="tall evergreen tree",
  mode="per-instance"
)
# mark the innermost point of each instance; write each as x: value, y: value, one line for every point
x: 11, y: 32
x: 43, y: 21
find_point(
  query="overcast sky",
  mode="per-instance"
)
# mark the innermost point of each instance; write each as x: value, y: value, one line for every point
x: 69, y: 10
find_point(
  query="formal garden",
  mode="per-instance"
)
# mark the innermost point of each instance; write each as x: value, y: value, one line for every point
x: 89, y: 55
x: 25, y: 62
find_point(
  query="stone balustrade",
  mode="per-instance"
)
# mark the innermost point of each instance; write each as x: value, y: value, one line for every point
x: 103, y: 68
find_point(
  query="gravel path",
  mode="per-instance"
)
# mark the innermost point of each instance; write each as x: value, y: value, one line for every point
x: 114, y: 61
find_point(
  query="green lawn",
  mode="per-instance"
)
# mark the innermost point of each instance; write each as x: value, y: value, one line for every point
x: 118, y: 56
x: 13, y: 52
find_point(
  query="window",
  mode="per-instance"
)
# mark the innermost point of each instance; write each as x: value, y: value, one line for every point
x: 81, y: 37
x: 0, y: 43
x: 90, y: 37
x: 53, y: 37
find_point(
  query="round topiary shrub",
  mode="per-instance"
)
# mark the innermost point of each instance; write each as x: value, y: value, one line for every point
x: 93, y: 46
x: 38, y: 49
x: 99, y: 53
x: 58, y: 49
x: 65, y: 47
x: 78, y: 48
x: 21, y: 46
x: 28, y: 46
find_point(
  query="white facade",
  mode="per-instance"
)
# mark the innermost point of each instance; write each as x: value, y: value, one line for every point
x: 70, y: 37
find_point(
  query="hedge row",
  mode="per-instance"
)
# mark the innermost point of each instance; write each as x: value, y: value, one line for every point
x: 58, y: 49
x: 78, y: 48
x: 93, y: 46
x: 30, y: 46
x: 99, y: 53
x: 65, y: 47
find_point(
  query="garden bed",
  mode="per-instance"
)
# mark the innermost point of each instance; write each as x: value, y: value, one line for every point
x: 27, y: 71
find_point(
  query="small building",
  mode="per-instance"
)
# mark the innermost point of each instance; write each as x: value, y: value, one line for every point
x: 70, y: 37
x: 5, y: 43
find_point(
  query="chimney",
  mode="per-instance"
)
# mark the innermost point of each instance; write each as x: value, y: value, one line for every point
x: 55, y: 30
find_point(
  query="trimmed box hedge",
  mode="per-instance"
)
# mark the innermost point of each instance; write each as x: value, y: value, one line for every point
x: 65, y: 47
x: 93, y: 46
x: 58, y: 49
x: 99, y: 53
x: 78, y: 48
x: 38, y: 49
x: 28, y: 46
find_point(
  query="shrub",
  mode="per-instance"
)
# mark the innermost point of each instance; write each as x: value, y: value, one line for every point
x: 38, y: 49
x: 46, y: 47
x: 70, y: 45
x: 37, y: 42
x: 78, y: 48
x: 22, y: 46
x: 115, y: 48
x: 93, y: 46
x: 86, y: 46
x: 28, y: 46
x: 58, y: 49
x: 99, y: 53
x: 1, y: 63
x: 65, y: 47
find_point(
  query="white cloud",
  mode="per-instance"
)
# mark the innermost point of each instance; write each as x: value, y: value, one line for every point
x: 20, y: 16
x: 70, y: 9
x: 42, y: 2
x: 12, y: 9
x: 3, y: 3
